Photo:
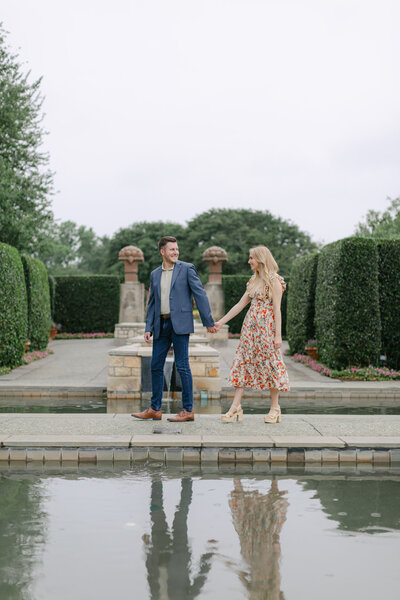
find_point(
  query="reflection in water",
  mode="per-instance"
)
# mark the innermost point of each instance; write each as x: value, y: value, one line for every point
x: 21, y: 534
x: 258, y: 519
x: 168, y: 554
x: 365, y: 505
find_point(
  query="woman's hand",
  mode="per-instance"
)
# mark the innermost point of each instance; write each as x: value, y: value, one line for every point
x: 277, y: 342
x: 217, y: 325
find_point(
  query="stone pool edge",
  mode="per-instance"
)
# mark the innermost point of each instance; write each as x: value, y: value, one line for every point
x: 299, y: 450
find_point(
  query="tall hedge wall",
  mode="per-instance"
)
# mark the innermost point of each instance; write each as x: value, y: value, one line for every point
x: 13, y: 307
x: 389, y: 293
x: 88, y: 303
x: 347, y: 315
x: 52, y: 289
x: 301, y: 302
x: 234, y: 287
x: 39, y: 314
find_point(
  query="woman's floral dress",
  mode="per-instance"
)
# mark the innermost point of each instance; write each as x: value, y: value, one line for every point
x: 257, y: 364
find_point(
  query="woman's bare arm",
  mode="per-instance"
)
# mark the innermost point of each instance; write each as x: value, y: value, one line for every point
x: 235, y: 310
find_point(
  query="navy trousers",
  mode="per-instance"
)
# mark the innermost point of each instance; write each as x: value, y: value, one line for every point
x: 161, y: 346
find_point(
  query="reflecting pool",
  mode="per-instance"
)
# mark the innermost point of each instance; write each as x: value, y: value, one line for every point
x: 335, y: 405
x: 152, y: 533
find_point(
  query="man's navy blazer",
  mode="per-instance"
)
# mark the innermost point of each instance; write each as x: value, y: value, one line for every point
x: 184, y: 283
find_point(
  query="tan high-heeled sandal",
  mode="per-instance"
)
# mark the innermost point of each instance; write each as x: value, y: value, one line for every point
x: 274, y: 416
x: 230, y: 416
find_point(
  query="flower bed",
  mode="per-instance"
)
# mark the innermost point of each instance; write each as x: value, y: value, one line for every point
x: 35, y: 355
x: 369, y: 373
x: 306, y: 360
x: 27, y: 359
x: 83, y: 336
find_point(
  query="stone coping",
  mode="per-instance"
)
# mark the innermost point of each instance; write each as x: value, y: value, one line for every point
x: 266, y: 458
x: 197, y: 441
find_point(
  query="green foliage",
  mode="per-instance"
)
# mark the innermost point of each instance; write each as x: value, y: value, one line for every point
x: 389, y: 295
x: 70, y: 249
x: 13, y: 307
x: 234, y: 287
x: 88, y: 303
x: 24, y: 183
x: 347, y: 316
x: 39, y: 312
x: 52, y: 291
x: 145, y: 236
x: 382, y: 225
x: 238, y: 230
x: 301, y: 302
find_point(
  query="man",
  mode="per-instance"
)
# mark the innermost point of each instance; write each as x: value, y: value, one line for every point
x: 169, y: 320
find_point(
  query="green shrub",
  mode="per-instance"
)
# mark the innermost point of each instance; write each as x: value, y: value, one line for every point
x: 234, y: 287
x: 301, y: 302
x: 88, y: 303
x: 389, y: 298
x: 52, y: 290
x: 284, y: 307
x: 347, y: 316
x: 39, y: 315
x: 13, y: 307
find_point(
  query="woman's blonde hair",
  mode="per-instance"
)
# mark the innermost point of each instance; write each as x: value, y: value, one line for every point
x: 261, y: 278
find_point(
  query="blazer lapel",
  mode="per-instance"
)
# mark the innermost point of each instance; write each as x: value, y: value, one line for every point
x: 157, y: 281
x: 175, y: 273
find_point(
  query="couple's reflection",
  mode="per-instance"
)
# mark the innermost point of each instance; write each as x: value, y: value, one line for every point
x: 258, y: 519
x: 168, y: 553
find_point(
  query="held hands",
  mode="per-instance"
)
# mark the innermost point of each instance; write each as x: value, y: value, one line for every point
x: 277, y: 342
x: 217, y: 325
x: 212, y: 329
x: 147, y: 336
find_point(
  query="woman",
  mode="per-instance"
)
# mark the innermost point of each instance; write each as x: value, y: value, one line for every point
x: 258, y: 361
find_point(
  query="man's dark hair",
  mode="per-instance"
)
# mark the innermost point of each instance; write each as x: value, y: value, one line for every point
x: 164, y: 241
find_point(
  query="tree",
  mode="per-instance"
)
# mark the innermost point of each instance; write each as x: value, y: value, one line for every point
x: 238, y: 230
x: 25, y: 181
x: 145, y: 236
x: 72, y: 249
x: 381, y: 225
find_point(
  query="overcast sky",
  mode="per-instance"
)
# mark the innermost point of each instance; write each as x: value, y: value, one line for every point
x: 162, y: 109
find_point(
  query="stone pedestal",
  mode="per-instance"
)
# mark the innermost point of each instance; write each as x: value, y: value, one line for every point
x: 131, y: 309
x: 125, y: 369
x: 215, y: 296
x: 214, y: 257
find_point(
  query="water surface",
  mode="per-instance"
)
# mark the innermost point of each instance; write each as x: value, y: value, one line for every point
x: 150, y: 533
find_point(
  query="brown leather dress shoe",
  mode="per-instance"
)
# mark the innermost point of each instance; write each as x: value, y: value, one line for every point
x: 183, y: 415
x: 149, y: 413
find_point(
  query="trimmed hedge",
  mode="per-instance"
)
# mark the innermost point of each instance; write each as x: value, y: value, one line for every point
x: 347, y: 315
x: 52, y: 290
x: 234, y: 286
x: 13, y: 307
x: 39, y: 314
x: 301, y: 302
x: 389, y: 296
x: 88, y: 303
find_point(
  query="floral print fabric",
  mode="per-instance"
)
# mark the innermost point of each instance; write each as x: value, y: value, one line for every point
x: 257, y: 364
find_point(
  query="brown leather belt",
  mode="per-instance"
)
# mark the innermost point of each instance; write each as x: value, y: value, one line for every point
x: 168, y: 316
